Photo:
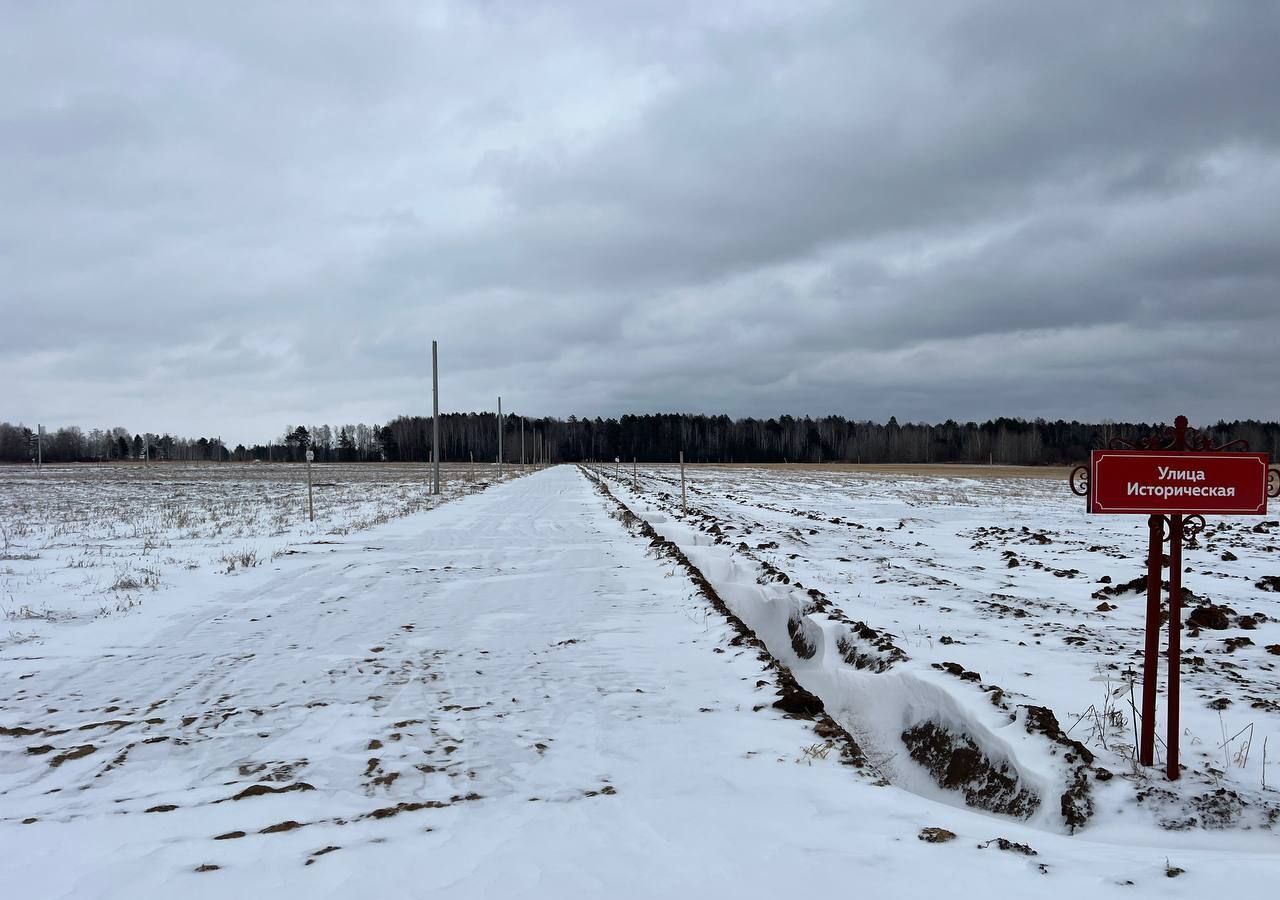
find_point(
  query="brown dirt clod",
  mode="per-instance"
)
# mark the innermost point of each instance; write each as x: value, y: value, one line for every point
x: 258, y: 790
x: 1009, y: 846
x: 288, y: 825
x: 1210, y: 617
x: 936, y: 835
x: 74, y: 753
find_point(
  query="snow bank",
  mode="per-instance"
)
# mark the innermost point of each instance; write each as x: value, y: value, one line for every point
x: 937, y: 732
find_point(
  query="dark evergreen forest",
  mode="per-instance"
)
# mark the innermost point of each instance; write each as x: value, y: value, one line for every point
x: 649, y: 438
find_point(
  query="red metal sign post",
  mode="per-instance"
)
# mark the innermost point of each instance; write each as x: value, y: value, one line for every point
x: 1176, y: 476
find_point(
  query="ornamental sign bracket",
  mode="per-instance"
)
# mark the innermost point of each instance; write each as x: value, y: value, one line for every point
x: 1175, y: 476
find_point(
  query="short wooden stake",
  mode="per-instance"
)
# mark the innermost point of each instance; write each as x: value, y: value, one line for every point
x: 684, y: 505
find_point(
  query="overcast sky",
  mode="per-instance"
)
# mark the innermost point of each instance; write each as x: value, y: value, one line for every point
x: 225, y: 218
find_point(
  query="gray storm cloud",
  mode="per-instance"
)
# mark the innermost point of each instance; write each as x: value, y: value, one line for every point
x: 222, y: 221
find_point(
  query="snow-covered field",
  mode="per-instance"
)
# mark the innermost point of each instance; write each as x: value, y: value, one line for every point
x: 84, y: 542
x: 959, y: 602
x: 527, y: 692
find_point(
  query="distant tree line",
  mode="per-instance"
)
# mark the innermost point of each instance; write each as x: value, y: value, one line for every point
x: 330, y: 443
x: 661, y: 437
x: 18, y: 443
x: 649, y: 438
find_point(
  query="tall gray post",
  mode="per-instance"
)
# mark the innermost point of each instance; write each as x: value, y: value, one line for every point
x: 39, y: 446
x: 522, y: 442
x: 435, y: 421
x: 499, y: 437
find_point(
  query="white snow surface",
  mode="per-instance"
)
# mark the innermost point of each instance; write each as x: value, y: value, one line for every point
x: 508, y: 695
x: 926, y: 558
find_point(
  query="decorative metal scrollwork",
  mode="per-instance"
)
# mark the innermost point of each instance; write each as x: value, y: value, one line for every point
x: 1200, y: 441
x: 1160, y: 439
x: 1192, y: 526
x: 1166, y: 438
x: 1080, y: 481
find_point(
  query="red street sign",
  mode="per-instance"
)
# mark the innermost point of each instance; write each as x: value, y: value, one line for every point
x: 1151, y: 481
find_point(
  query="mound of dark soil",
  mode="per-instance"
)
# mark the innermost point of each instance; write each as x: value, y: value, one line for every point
x: 957, y: 764
x: 1211, y: 617
x: 1076, y: 801
x: 802, y: 641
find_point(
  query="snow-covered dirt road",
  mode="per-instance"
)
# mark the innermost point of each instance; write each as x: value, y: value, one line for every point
x: 507, y: 696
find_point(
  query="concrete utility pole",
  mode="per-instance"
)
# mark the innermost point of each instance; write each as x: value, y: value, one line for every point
x: 522, y: 442
x: 499, y: 437
x: 435, y: 421
x: 39, y: 447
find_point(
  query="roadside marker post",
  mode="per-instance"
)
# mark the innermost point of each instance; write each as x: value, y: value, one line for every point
x: 311, y: 505
x: 684, y: 505
x: 1174, y: 476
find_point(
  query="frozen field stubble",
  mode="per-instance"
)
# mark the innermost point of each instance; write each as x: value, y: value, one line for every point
x: 86, y: 541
